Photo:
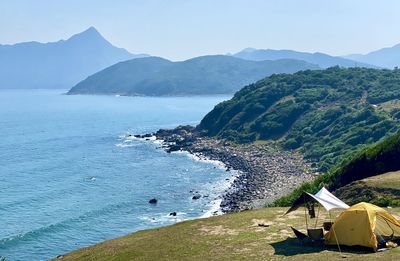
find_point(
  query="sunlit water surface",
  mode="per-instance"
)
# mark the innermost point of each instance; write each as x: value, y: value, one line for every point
x: 70, y: 178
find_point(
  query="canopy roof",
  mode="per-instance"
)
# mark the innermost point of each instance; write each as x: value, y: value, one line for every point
x: 324, y: 197
x: 328, y: 200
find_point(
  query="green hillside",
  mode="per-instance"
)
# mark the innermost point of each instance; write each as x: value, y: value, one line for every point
x: 325, y: 114
x: 153, y: 76
x: 119, y: 78
x: 367, y: 162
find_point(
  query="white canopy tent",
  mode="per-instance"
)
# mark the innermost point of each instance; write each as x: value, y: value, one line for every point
x: 323, y: 197
x: 328, y: 200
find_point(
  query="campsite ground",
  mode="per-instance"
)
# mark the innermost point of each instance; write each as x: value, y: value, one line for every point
x: 228, y: 237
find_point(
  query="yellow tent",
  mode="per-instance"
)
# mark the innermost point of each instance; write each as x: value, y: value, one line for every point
x: 363, y: 224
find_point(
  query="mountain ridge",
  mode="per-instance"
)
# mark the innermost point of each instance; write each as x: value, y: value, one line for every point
x: 388, y: 57
x: 211, y: 74
x: 321, y: 59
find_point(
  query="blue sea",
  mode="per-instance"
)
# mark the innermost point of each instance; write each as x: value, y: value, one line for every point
x: 70, y: 177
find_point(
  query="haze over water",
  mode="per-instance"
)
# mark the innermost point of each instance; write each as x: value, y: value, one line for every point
x: 69, y: 177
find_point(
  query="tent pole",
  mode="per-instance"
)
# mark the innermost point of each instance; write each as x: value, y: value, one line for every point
x: 305, y: 212
x: 334, y: 233
x: 316, y: 219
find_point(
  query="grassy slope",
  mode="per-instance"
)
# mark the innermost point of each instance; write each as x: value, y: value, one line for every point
x: 389, y: 180
x: 228, y: 237
x: 370, y: 161
x: 381, y: 190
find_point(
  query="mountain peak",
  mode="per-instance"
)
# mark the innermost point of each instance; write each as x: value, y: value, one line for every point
x: 91, y: 30
x: 68, y: 61
x: 90, y: 33
x: 248, y: 50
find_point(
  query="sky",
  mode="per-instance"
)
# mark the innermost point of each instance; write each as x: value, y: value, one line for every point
x: 181, y: 29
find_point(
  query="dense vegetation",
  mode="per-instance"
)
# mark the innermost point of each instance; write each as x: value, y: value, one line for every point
x: 372, y: 160
x: 153, y: 76
x: 325, y: 114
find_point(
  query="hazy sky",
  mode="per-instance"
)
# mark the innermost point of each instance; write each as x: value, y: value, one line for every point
x: 179, y: 29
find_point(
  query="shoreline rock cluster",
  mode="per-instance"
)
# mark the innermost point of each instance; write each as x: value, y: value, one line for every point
x: 266, y: 172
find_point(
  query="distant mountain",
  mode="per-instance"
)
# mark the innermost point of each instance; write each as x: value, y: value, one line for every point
x: 386, y: 57
x: 59, y: 64
x: 122, y: 78
x: 321, y: 59
x: 153, y: 76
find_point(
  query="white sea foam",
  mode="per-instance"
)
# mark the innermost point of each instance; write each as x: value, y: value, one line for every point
x: 132, y: 138
x: 163, y: 218
x: 195, y: 157
x: 218, y: 187
x: 124, y: 145
x: 214, y: 209
x: 128, y: 140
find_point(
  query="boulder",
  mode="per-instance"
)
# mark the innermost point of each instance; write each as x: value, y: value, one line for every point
x: 196, y: 196
x: 153, y: 201
x: 173, y: 148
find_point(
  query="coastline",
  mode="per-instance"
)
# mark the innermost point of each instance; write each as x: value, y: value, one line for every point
x: 215, y: 204
x: 264, y: 172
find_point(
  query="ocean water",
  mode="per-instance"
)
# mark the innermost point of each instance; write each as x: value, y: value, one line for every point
x: 70, y: 177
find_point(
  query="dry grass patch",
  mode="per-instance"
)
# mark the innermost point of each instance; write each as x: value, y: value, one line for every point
x: 387, y: 180
x: 217, y: 230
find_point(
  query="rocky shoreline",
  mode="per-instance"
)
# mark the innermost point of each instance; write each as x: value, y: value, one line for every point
x: 266, y: 172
